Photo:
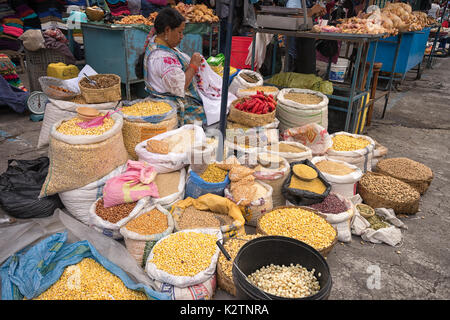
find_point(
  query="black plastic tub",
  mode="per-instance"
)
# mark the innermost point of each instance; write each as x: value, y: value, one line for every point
x: 278, y: 250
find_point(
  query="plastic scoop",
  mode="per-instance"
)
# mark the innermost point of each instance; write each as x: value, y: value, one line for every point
x: 96, y: 121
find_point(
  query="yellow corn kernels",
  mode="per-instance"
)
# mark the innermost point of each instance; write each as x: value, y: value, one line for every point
x: 147, y: 108
x: 342, y: 142
x: 71, y: 128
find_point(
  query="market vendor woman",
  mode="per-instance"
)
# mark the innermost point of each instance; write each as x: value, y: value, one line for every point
x: 172, y: 74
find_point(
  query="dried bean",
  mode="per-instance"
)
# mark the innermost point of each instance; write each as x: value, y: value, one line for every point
x: 331, y: 204
x: 151, y: 222
x: 115, y: 213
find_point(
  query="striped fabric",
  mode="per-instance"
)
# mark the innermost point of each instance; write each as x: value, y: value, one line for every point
x: 118, y: 7
x: 8, y: 72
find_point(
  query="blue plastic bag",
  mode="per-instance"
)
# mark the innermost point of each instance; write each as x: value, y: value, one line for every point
x: 196, y: 186
x: 31, y: 271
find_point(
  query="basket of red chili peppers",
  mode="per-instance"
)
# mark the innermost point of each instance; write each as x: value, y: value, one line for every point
x: 253, y: 111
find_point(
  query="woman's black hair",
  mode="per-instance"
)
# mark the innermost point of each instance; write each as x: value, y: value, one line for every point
x: 168, y: 17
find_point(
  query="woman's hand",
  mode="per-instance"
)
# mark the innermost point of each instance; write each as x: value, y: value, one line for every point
x: 196, y: 59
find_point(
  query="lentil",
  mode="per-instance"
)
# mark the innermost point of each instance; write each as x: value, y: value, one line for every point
x: 300, y: 224
x: 115, y: 213
x: 293, y: 281
x: 184, y: 253
x: 285, y: 147
x: 304, y: 172
x: 334, y: 168
x: 167, y: 183
x: 93, y: 282
x: 192, y: 218
x: 315, y: 185
x: 377, y: 222
x: 303, y: 98
x: 331, y: 204
x: 342, y: 142
x: 151, y: 222
x: 70, y: 127
x: 147, y: 108
x: 213, y: 174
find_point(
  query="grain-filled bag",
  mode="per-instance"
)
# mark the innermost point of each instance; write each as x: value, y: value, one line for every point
x: 139, y: 245
x: 239, y: 81
x: 196, y: 186
x: 217, y: 204
x: 381, y: 191
x: 182, y: 281
x: 56, y: 110
x: 76, y: 161
x: 257, y: 207
x: 108, y: 228
x: 342, y: 182
x: 310, y: 135
x: 137, y: 128
x: 362, y: 158
x: 165, y: 183
x: 200, y: 291
x: 246, y: 92
x: 287, y: 150
x: 300, y: 197
x: 79, y: 201
x: 414, y: 173
x: 172, y: 161
x: 341, y: 221
x: 294, y: 114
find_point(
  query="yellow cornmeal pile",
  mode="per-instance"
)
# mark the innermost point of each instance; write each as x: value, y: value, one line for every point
x: 315, y: 185
x: 213, y: 174
x: 342, y: 142
x: 184, y: 253
x: 260, y: 88
x: 71, y: 128
x: 148, y: 108
x: 303, y: 98
x: 299, y: 224
x: 151, y: 222
x: 334, y: 168
x: 89, y: 280
x: 304, y: 172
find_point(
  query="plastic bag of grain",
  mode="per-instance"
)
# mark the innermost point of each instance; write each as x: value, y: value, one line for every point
x: 171, y: 188
x: 289, y: 150
x: 354, y: 149
x: 245, y: 79
x: 188, y: 248
x: 180, y: 142
x: 79, y: 201
x: 312, y: 136
x: 143, y: 231
x: 342, y: 176
x: 77, y: 160
x: 56, y: 110
x: 298, y: 107
x: 110, y: 220
x: 144, y: 119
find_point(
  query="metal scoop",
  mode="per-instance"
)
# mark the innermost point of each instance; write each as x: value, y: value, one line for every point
x: 93, y: 82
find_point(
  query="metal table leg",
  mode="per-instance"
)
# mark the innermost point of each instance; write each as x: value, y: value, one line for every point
x: 391, y: 79
x: 253, y: 50
x: 353, y: 88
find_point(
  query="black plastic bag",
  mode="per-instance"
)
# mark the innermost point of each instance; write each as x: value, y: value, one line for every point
x: 302, y: 197
x: 328, y: 48
x: 266, y: 67
x: 20, y: 186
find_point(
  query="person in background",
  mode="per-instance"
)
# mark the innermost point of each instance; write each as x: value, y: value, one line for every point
x: 435, y: 8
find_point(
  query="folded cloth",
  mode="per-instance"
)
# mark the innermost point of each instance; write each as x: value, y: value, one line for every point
x: 13, y: 97
x: 61, y: 46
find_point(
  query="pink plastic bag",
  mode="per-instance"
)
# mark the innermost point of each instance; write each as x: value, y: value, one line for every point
x: 132, y: 185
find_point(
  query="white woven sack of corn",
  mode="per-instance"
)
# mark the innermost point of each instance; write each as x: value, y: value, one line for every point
x: 293, y: 114
x: 56, y: 110
x: 361, y: 158
x: 110, y: 229
x: 79, y: 201
x: 172, y: 161
x: 239, y: 83
x: 200, y: 291
x: 342, y: 184
x: 185, y: 281
x: 291, y: 156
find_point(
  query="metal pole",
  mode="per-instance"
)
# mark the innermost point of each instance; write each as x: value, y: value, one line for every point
x: 391, y: 79
x: 225, y: 80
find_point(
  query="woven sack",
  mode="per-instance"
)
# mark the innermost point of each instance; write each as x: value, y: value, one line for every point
x: 76, y: 161
x: 325, y: 251
x: 290, y: 156
x: 239, y: 82
x: 113, y: 93
x: 140, y: 245
x: 376, y: 200
x: 200, y: 291
x: 167, y: 201
x: 249, y: 119
x: 256, y: 208
x: 421, y: 183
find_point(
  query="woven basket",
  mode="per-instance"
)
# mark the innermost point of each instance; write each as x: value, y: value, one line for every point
x: 363, y: 214
x: 111, y: 94
x: 325, y: 251
x: 225, y: 282
x: 249, y: 119
x: 376, y: 201
x: 421, y: 185
x: 94, y: 14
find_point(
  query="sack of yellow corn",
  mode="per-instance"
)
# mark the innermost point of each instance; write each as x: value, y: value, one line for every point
x: 213, y: 180
x: 144, y: 119
x: 80, y: 156
x: 352, y: 148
